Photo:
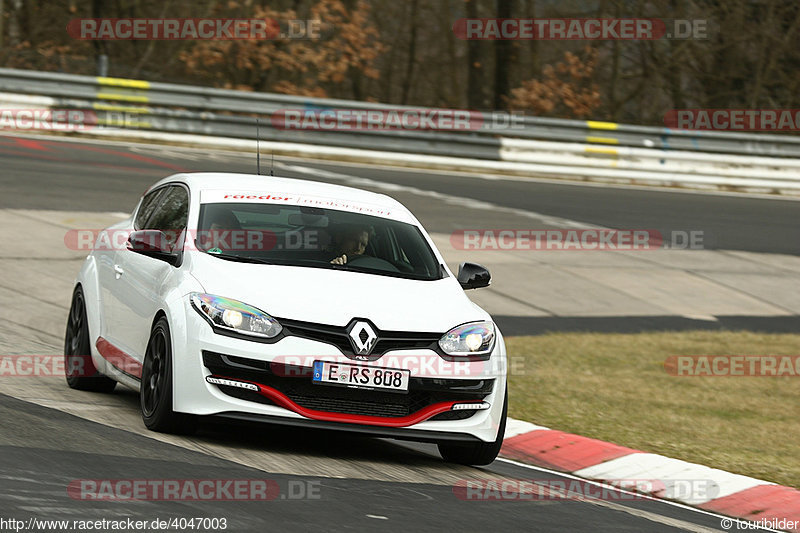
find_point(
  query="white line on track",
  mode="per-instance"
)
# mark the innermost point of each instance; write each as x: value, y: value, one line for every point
x: 460, y: 201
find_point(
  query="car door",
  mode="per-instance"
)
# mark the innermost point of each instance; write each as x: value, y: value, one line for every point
x: 108, y: 269
x: 139, y: 287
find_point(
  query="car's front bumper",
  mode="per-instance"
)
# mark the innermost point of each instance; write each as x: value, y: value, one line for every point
x: 289, y: 398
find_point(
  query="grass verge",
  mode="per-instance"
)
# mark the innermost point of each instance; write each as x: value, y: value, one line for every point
x: 614, y: 387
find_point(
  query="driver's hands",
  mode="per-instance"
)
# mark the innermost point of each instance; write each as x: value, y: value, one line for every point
x: 342, y: 259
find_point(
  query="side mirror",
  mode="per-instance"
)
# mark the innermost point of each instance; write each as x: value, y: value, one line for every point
x: 154, y: 243
x: 473, y: 276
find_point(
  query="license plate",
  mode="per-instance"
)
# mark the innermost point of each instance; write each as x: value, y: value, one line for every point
x: 361, y: 377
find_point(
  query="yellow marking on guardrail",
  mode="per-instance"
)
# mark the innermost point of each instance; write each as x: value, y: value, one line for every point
x: 122, y: 82
x: 125, y: 97
x: 605, y: 151
x: 604, y: 140
x: 597, y: 125
x: 122, y: 108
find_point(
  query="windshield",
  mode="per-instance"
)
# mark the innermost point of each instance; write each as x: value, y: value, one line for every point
x: 315, y: 237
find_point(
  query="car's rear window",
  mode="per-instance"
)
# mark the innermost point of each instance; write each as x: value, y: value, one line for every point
x: 315, y: 237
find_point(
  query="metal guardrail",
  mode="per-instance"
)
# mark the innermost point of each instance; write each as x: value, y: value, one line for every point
x: 542, y: 146
x: 225, y: 113
x: 211, y: 100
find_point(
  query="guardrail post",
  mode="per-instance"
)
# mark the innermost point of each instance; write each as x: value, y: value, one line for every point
x: 102, y: 65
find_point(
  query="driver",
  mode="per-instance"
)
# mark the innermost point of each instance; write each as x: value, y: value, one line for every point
x: 218, y: 224
x: 349, y: 241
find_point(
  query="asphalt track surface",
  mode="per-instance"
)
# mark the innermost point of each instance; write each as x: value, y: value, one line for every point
x: 45, y: 174
x: 42, y: 449
x: 37, y: 466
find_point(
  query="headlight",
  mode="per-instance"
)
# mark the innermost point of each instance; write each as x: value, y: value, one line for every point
x: 235, y: 315
x: 476, y: 338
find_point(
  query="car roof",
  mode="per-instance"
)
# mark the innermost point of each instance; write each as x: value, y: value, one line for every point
x: 218, y: 184
x: 199, y: 181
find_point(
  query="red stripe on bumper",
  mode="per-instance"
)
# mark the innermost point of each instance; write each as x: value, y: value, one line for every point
x: 284, y: 401
x: 118, y: 358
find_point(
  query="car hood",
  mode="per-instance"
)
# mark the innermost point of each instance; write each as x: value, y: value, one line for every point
x: 335, y: 297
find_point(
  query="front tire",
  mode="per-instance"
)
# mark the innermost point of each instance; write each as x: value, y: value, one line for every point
x: 79, y: 369
x: 479, y: 453
x: 155, y: 393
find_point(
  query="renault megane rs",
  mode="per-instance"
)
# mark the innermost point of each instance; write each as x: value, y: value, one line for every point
x: 288, y: 301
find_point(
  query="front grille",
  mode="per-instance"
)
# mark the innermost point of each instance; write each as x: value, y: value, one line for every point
x: 337, y: 336
x: 350, y: 406
x: 301, y: 390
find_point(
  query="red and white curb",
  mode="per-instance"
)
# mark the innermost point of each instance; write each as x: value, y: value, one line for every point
x: 718, y: 491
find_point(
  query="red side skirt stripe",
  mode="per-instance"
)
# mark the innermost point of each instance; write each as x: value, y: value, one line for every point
x: 119, y: 359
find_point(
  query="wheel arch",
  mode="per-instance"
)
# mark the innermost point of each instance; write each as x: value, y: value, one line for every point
x: 158, y: 316
x: 173, y: 309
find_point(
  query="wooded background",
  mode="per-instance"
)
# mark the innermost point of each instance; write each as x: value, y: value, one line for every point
x: 405, y: 52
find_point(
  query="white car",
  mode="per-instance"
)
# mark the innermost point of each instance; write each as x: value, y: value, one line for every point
x: 288, y: 301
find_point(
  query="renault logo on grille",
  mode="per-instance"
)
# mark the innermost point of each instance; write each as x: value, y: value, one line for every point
x: 362, y: 337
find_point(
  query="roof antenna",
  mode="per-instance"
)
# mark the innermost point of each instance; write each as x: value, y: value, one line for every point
x: 272, y: 165
x: 258, y: 146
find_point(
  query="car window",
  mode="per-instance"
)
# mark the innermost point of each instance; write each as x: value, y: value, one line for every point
x: 149, y: 203
x: 315, y: 237
x: 172, y: 212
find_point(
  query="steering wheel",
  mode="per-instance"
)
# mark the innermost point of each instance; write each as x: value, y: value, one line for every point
x: 368, y: 261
